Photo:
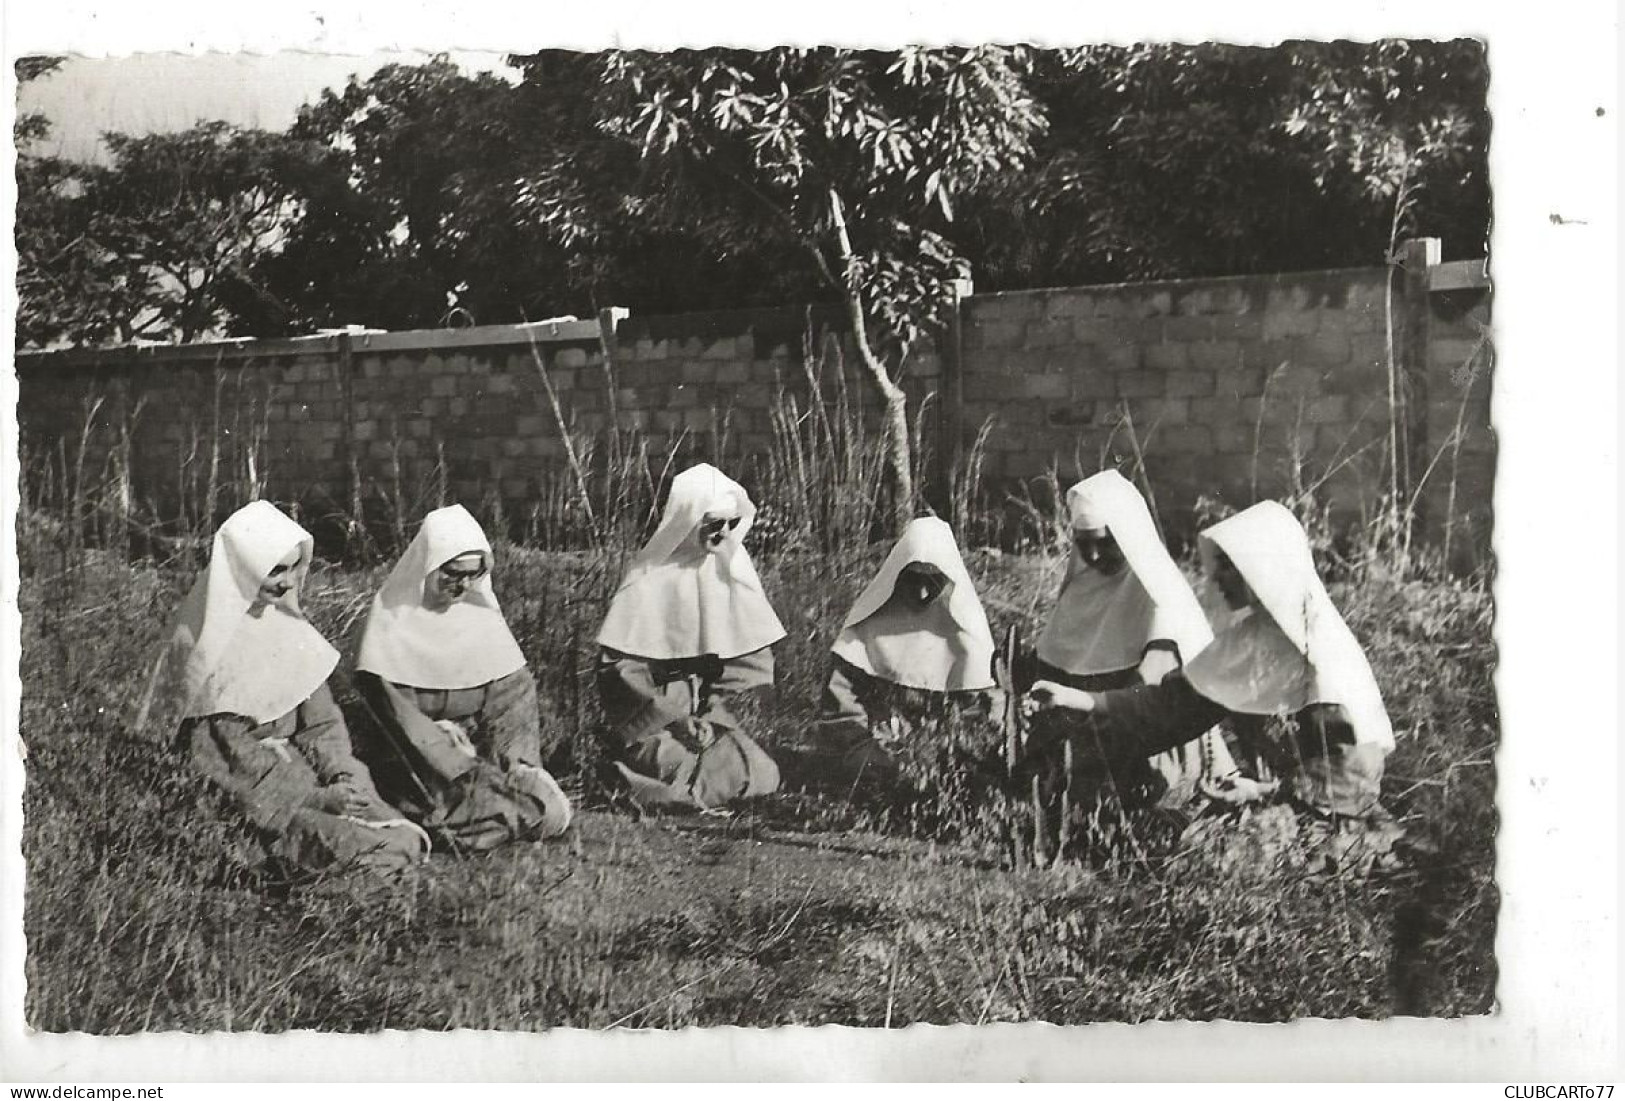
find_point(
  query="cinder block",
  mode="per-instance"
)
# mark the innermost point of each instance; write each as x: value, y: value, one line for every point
x: 990, y: 386
x: 1141, y: 384
x: 1184, y: 438
x: 1215, y: 410
x: 1238, y: 382
x: 1241, y: 328
x: 1355, y: 378
x: 733, y: 373
x: 697, y: 371
x: 1166, y: 357
x: 753, y: 395
x: 1005, y: 306
x: 1092, y: 384
x: 1329, y: 410
x: 570, y: 357
x: 1158, y: 303
x: 1453, y: 353
x: 1046, y: 387
x: 1268, y: 354
x: 1294, y: 382
x: 1069, y: 305
x: 1213, y: 354
x: 725, y: 348
x: 1076, y: 414
x: 1282, y: 322
x: 1366, y: 320
x: 442, y: 386
x: 1190, y: 384
x: 995, y: 334
x: 1048, y: 334
x: 1233, y: 437
x: 1187, y: 329
x: 1322, y: 349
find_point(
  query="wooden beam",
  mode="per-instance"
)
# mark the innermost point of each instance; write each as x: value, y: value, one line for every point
x: 1460, y: 275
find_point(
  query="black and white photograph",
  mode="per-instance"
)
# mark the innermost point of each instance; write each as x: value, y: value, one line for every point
x: 954, y: 531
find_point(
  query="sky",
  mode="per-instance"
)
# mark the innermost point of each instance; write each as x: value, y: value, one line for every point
x: 158, y: 92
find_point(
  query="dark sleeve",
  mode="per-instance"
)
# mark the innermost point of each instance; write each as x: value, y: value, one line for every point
x: 1134, y: 723
x: 213, y: 742
x: 512, y: 720
x: 747, y: 671
x: 634, y: 706
x: 840, y: 703
x: 324, y: 739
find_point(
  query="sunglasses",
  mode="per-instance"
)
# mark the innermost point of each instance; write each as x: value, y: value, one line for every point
x: 452, y: 575
x: 713, y: 528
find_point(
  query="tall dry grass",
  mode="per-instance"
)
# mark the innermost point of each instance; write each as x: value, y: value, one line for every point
x: 148, y: 908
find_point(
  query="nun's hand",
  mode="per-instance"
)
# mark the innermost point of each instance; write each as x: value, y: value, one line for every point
x: 1237, y: 790
x: 1046, y: 695
x: 342, y: 796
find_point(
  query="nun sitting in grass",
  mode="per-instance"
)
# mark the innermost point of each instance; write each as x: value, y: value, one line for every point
x: 1126, y: 616
x: 454, y: 736
x: 915, y: 649
x: 1284, y: 667
x: 688, y: 631
x: 247, y: 674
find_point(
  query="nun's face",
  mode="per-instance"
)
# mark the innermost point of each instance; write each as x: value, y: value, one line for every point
x: 281, y: 585
x: 1231, y: 584
x: 452, y: 581
x: 714, y: 530
x: 1099, y: 550
x: 919, y: 585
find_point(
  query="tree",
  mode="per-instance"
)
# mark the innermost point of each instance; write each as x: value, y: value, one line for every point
x: 186, y: 216
x: 1166, y: 161
x: 66, y: 286
x: 856, y: 159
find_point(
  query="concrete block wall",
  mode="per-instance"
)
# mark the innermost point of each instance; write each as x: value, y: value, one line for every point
x: 1232, y: 388
x: 426, y: 421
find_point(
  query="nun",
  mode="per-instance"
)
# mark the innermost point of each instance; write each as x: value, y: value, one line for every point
x: 1283, y: 666
x: 247, y: 675
x: 1126, y: 616
x: 455, y: 735
x: 915, y: 649
x: 688, y: 631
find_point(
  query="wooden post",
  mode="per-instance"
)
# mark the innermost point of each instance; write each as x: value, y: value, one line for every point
x: 609, y: 318
x: 355, y: 523
x: 951, y: 395
x: 1414, y: 259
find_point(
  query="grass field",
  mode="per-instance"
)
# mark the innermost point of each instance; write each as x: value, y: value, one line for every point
x: 144, y: 910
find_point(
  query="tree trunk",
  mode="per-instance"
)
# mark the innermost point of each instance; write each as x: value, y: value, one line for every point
x: 899, y: 450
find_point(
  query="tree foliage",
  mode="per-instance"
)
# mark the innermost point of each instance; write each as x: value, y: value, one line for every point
x: 423, y: 196
x: 856, y: 159
x: 1164, y: 161
x: 64, y: 291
